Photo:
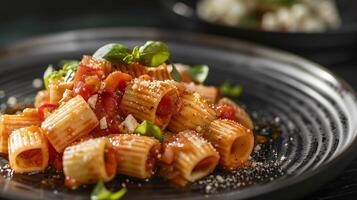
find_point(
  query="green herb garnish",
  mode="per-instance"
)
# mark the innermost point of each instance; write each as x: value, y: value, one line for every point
x: 198, y: 73
x: 151, y: 54
x: 149, y: 129
x: 67, y: 71
x: 113, y: 52
x: 100, y: 192
x: 230, y: 90
x: 154, y: 53
x: 175, y: 74
x: 134, y: 56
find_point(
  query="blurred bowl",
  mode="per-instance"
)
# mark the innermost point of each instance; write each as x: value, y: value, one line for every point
x: 329, y: 48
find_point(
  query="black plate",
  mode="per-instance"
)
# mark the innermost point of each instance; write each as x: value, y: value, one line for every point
x: 334, y: 46
x: 316, y: 111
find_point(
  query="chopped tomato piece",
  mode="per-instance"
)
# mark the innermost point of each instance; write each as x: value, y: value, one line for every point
x: 87, y: 81
x: 46, y: 107
x: 226, y: 112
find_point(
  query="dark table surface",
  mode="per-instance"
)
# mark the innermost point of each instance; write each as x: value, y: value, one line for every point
x: 38, y: 17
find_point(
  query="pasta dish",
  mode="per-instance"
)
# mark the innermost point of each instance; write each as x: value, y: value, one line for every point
x: 128, y: 112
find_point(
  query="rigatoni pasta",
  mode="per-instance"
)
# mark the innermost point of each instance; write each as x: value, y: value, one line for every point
x: 195, y: 114
x: 135, y: 69
x: 193, y: 158
x: 8, y: 123
x: 151, y: 100
x: 56, y: 90
x: 136, y: 155
x: 70, y: 122
x: 88, y: 162
x: 233, y: 141
x: 159, y: 73
x: 210, y: 93
x: 28, y: 150
x: 103, y: 65
x: 241, y: 115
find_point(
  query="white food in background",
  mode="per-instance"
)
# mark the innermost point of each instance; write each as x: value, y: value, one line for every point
x: 304, y: 16
x: 312, y: 25
x: 228, y: 12
x: 12, y: 101
x: 37, y: 83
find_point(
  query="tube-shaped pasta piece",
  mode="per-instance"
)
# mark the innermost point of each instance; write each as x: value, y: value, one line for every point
x: 159, y: 73
x: 88, y: 162
x: 56, y: 90
x: 195, y: 114
x: 210, y: 93
x: 240, y: 114
x: 42, y: 97
x: 68, y: 123
x: 233, y: 141
x: 135, y: 69
x: 136, y: 154
x: 28, y: 150
x: 193, y: 158
x: 97, y: 64
x: 8, y: 123
x: 155, y: 101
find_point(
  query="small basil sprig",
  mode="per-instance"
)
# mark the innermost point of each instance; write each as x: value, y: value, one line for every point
x: 198, y: 73
x: 102, y: 193
x: 151, y: 54
x: 67, y: 71
x: 113, y: 52
x: 231, y: 90
x: 149, y: 129
x: 133, y: 57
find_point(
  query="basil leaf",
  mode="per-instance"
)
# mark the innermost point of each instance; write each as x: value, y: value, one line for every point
x: 231, y: 91
x: 100, y: 192
x: 154, y: 53
x: 114, y: 53
x: 47, y: 74
x: 175, y: 74
x: 118, y: 194
x: 149, y: 129
x: 198, y: 73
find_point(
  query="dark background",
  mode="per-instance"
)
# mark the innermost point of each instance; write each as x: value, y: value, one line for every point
x: 23, y: 18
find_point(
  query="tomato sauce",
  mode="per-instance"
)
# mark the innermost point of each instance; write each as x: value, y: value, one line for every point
x: 87, y: 81
x: 226, y: 112
x: 151, y: 159
x: 110, y: 161
x: 46, y: 107
x: 55, y: 158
